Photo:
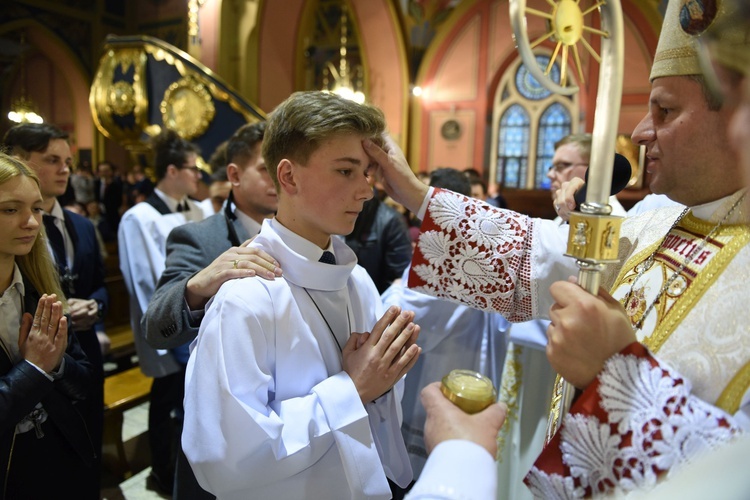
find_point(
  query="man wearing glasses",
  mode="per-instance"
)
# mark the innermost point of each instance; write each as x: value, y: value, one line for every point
x: 142, y: 240
x: 571, y: 160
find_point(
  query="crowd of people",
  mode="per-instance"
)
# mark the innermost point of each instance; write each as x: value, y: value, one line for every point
x: 283, y: 369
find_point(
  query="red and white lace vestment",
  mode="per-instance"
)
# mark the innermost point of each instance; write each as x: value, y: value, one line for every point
x: 500, y: 261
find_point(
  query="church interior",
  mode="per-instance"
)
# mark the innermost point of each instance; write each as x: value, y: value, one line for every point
x: 446, y: 73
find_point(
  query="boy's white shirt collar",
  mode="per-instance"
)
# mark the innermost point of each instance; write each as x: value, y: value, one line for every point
x: 248, y: 223
x: 171, y: 202
x: 57, y: 211
x: 305, y: 270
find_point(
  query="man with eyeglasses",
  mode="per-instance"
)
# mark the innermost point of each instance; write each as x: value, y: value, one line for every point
x: 142, y: 241
x: 571, y: 160
x: 663, y: 379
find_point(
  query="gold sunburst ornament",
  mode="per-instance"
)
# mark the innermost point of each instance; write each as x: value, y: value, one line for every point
x: 566, y: 22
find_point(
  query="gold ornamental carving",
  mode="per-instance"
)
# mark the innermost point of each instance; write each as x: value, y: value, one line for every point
x: 113, y: 97
x: 218, y: 91
x: 143, y: 85
x: 594, y: 238
x: 187, y: 107
x: 121, y: 98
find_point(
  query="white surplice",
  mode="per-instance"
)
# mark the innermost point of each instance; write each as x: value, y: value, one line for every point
x: 269, y: 412
x: 142, y: 241
x: 452, y: 336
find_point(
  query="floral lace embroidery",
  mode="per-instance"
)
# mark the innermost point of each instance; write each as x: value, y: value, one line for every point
x: 653, y: 425
x: 475, y: 254
x: 552, y: 486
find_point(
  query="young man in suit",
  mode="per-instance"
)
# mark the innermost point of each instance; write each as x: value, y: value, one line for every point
x: 202, y: 256
x: 141, y: 239
x: 74, y: 246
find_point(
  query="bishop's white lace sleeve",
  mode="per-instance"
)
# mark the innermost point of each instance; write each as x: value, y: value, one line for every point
x: 474, y: 254
x: 636, y: 422
x: 488, y: 258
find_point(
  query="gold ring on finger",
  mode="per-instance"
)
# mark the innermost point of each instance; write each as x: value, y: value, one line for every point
x: 235, y: 262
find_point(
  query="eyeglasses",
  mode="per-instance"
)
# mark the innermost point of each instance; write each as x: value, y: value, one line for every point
x: 562, y: 166
x: 193, y: 168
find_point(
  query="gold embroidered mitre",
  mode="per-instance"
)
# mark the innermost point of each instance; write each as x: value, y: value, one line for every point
x: 684, y: 21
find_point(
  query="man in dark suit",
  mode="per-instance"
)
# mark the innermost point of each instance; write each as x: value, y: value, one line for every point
x: 110, y: 193
x: 73, y: 244
x: 202, y: 256
x: 142, y: 244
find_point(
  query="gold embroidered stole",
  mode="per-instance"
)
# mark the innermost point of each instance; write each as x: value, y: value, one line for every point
x: 510, y: 384
x: 697, y: 276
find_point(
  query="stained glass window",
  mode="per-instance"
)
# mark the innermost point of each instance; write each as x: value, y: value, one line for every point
x: 530, y: 119
x: 529, y: 87
x: 554, y: 124
x: 513, y: 146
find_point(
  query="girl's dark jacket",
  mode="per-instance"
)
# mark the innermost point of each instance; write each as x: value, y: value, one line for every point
x: 22, y: 386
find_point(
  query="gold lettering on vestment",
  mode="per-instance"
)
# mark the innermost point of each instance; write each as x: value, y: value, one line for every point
x: 685, y: 290
x: 697, y: 275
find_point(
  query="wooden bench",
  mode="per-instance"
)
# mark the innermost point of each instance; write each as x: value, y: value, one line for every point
x: 122, y: 345
x: 122, y: 391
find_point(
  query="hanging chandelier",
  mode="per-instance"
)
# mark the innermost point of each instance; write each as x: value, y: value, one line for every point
x: 342, y: 84
x: 23, y: 109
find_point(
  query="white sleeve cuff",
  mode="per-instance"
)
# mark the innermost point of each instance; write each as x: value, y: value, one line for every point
x: 457, y: 469
x: 50, y: 376
x: 425, y: 202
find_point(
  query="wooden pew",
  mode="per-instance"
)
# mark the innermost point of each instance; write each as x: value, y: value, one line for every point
x: 122, y: 345
x: 126, y: 386
x: 122, y: 391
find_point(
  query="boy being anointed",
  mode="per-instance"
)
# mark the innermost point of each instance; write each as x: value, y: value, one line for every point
x: 282, y: 400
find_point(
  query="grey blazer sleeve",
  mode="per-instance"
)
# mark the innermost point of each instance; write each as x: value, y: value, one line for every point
x: 166, y: 322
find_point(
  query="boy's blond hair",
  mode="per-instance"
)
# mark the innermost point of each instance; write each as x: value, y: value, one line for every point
x: 298, y: 126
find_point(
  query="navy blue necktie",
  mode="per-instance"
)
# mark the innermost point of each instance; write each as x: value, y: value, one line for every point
x: 328, y: 258
x: 56, y: 241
